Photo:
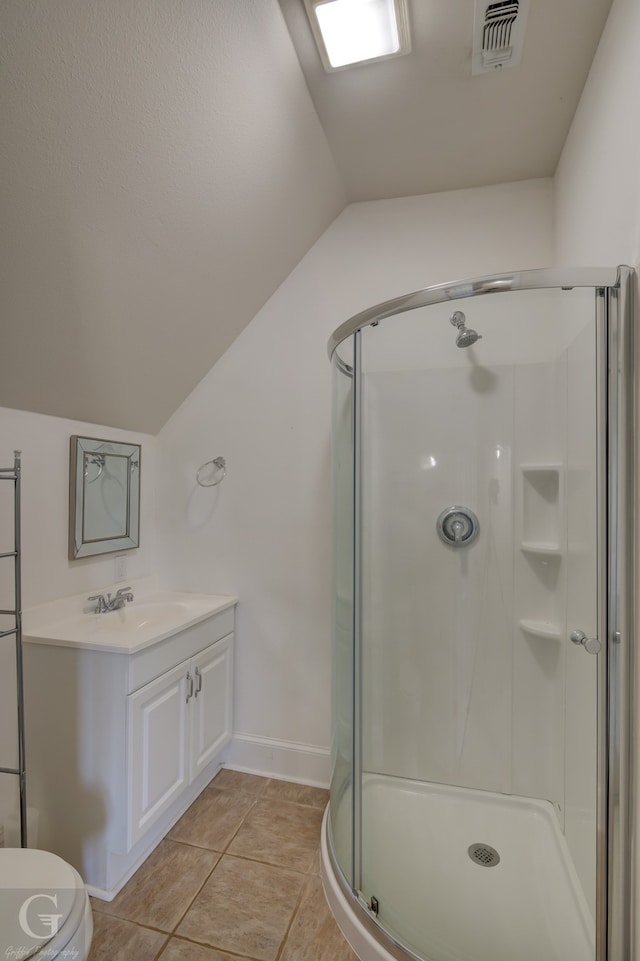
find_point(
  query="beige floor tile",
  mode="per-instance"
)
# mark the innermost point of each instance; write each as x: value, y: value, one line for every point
x: 226, y: 780
x: 280, y: 833
x: 314, y: 935
x: 314, y: 868
x: 300, y: 793
x: 213, y: 818
x: 118, y: 940
x: 179, y: 950
x: 162, y: 889
x: 97, y: 904
x: 244, y: 908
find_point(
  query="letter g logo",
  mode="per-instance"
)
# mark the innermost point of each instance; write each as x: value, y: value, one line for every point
x: 48, y: 921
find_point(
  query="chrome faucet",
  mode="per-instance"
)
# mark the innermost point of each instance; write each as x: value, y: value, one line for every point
x: 101, y: 605
x: 123, y: 595
x: 107, y: 603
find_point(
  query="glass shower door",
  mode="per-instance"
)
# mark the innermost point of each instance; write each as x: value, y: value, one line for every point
x: 478, y: 711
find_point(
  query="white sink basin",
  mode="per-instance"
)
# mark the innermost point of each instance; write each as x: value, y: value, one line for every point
x: 135, y: 626
x: 135, y: 616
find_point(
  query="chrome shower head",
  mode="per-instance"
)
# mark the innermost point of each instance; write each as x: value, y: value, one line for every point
x: 466, y: 337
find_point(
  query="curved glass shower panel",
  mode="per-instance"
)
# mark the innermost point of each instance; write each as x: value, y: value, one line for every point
x: 478, y: 714
x: 341, y: 803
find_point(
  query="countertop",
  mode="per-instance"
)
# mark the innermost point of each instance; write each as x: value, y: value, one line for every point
x: 140, y: 624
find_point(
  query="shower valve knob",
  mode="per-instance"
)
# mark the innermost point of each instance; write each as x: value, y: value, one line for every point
x: 457, y: 526
x: 591, y: 644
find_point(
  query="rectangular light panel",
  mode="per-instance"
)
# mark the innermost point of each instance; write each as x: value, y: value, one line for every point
x: 356, y: 31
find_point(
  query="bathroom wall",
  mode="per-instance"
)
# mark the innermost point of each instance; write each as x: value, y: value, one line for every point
x: 597, y: 183
x: 46, y: 571
x: 264, y: 533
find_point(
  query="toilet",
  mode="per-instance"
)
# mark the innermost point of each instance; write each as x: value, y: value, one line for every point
x: 44, y: 908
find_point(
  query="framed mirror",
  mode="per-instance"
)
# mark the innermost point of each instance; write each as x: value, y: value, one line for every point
x: 104, y: 496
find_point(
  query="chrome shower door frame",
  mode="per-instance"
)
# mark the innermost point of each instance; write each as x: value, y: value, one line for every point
x: 618, y: 713
x: 616, y: 548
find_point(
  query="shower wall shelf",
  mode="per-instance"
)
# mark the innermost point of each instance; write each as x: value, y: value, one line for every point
x: 541, y: 629
x: 541, y: 508
x: 547, y: 550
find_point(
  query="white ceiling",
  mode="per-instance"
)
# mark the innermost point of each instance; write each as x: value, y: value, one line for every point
x: 163, y: 168
x: 422, y: 123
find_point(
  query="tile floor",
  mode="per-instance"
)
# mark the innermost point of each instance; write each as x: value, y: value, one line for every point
x: 236, y: 879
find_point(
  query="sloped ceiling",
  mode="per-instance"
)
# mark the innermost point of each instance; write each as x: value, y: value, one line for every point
x: 163, y: 166
x: 162, y: 169
x: 423, y: 123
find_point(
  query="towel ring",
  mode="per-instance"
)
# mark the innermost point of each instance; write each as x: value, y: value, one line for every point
x: 220, y: 464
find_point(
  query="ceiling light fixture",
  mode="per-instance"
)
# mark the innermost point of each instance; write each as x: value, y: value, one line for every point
x: 350, y: 32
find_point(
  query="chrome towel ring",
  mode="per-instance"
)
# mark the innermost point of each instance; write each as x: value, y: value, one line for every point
x: 220, y: 465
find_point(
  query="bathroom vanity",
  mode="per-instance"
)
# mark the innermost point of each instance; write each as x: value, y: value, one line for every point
x: 127, y: 715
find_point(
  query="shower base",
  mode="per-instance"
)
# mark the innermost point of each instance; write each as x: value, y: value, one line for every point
x: 440, y: 903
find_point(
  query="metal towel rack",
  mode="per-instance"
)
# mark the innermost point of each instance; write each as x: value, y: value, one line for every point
x: 13, y: 474
x: 220, y: 465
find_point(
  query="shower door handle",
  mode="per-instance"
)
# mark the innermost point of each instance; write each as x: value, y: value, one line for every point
x: 591, y: 644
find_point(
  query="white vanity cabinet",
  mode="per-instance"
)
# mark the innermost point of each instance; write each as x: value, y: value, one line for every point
x: 122, y: 736
x: 176, y: 725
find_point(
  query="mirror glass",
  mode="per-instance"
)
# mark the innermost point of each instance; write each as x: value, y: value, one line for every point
x: 104, y: 496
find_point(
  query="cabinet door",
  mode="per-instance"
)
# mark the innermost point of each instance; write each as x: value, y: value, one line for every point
x: 157, y: 748
x: 211, y: 704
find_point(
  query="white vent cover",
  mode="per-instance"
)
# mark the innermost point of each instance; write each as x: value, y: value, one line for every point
x: 498, y: 34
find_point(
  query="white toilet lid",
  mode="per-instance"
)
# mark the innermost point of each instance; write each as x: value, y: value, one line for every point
x: 38, y: 891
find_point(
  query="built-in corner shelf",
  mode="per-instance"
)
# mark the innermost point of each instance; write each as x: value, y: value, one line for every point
x: 543, y: 549
x: 541, y: 629
x: 542, y: 508
x: 542, y: 467
x: 542, y: 543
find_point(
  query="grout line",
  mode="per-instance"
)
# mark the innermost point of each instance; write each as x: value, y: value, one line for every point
x: 161, y: 951
x: 268, y: 864
x: 292, y: 919
x: 191, y: 902
x: 212, y: 947
x: 196, y: 847
x: 240, y: 826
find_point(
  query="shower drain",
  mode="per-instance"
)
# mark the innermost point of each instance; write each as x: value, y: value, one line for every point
x: 484, y: 855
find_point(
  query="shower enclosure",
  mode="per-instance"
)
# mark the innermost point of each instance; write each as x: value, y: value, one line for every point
x: 483, y: 543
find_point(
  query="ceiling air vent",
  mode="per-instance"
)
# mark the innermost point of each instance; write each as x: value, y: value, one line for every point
x: 498, y: 34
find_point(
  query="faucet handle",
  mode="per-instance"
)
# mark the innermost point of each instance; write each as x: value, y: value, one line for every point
x: 102, y: 603
x: 123, y: 596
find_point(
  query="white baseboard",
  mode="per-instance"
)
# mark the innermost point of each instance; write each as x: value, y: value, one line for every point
x: 284, y: 760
